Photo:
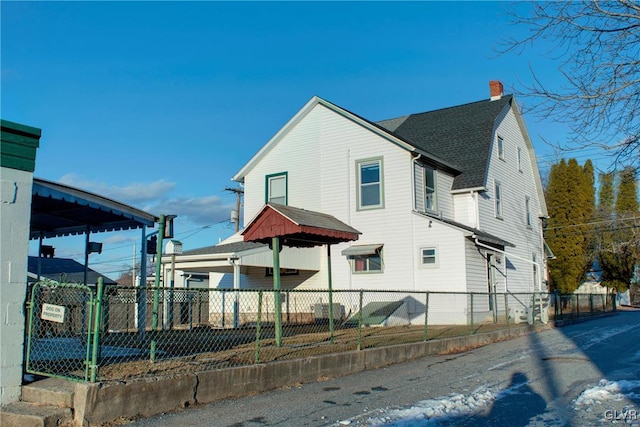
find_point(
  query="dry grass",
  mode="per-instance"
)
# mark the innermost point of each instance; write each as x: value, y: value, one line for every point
x: 294, y: 345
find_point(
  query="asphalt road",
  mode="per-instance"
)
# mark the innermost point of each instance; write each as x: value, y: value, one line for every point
x: 528, y: 381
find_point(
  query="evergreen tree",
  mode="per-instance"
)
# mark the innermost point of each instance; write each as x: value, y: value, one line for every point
x: 570, y: 197
x: 589, y: 212
x: 619, y: 245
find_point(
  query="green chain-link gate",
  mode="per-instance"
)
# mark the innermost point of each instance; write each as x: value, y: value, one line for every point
x: 62, y: 324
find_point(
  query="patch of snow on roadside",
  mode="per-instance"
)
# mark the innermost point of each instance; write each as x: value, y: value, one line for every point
x: 429, y: 412
x: 609, y: 391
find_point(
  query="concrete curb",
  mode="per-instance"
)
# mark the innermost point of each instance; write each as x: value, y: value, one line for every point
x: 99, y: 403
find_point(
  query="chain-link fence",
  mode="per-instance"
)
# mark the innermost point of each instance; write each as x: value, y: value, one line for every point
x: 144, y: 331
x: 60, y: 322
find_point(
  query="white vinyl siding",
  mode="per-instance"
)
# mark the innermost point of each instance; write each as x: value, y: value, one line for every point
x: 303, y: 183
x: 322, y: 152
x: 511, y: 226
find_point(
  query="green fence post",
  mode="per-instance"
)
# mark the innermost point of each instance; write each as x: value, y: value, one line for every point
x: 275, y: 242
x: 426, y: 315
x: 258, y: 325
x: 578, y: 305
x: 506, y: 308
x: 96, y: 330
x: 31, y: 314
x: 360, y: 322
x: 471, y: 317
x: 604, y: 306
x: 591, y: 303
x: 614, y: 302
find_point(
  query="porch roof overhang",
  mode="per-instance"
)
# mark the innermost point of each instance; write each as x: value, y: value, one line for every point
x: 61, y: 210
x: 219, y: 258
x: 297, y: 227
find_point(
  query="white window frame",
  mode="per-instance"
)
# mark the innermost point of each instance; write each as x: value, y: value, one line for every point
x: 421, y: 256
x: 434, y: 198
x: 527, y: 212
x: 519, y: 159
x: 380, y: 183
x: 497, y: 189
x: 269, y: 179
x: 500, y: 144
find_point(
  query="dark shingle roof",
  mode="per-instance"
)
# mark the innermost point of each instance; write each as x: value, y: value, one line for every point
x: 224, y: 248
x: 64, y: 270
x: 308, y: 218
x: 460, y: 135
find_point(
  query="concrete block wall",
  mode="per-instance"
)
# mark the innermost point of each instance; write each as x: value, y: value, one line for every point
x: 15, y: 213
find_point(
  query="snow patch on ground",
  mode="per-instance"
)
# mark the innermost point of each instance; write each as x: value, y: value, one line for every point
x: 443, y: 409
x: 430, y: 412
x: 609, y: 391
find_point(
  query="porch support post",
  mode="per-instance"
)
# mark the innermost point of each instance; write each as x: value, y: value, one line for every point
x: 331, y: 326
x: 276, y: 289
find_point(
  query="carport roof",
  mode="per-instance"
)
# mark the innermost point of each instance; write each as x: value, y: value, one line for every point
x: 297, y: 227
x: 61, y: 210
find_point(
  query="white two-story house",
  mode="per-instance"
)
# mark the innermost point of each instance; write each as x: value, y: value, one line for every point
x: 446, y: 201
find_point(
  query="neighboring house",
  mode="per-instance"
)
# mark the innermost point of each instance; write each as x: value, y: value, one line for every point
x: 448, y: 200
x: 62, y: 270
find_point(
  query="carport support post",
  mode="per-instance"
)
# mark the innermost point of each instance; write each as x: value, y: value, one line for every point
x: 276, y: 289
x: 156, y: 286
x: 330, y: 293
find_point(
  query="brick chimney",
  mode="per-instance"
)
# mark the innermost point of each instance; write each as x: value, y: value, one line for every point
x: 496, y: 88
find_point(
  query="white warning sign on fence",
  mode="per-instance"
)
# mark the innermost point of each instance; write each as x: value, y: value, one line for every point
x: 54, y: 313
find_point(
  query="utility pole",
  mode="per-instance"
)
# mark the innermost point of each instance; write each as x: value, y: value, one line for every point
x: 239, y: 192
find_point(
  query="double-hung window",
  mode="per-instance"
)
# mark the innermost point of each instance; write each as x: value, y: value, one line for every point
x: 527, y: 211
x: 369, y: 178
x: 428, y: 257
x: 500, y: 148
x: 276, y: 188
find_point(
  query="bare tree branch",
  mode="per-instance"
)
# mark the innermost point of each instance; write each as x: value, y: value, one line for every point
x: 597, y: 48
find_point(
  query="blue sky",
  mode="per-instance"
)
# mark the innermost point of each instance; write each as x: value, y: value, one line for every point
x: 159, y: 104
